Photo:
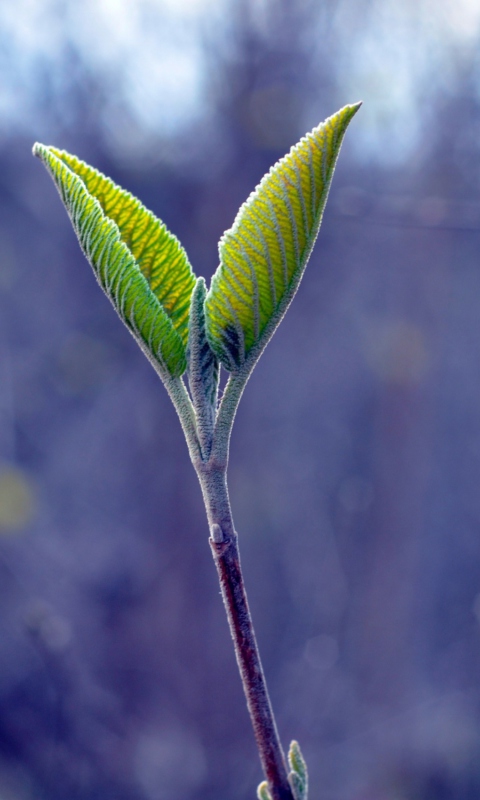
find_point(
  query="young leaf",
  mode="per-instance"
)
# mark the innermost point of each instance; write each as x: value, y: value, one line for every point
x: 140, y: 265
x: 264, y: 254
x: 203, y: 369
x: 298, y: 776
x: 262, y: 791
x: 298, y: 789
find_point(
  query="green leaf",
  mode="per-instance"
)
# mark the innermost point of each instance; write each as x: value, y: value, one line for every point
x: 203, y: 369
x: 298, y: 776
x: 262, y: 791
x: 140, y: 265
x: 298, y: 788
x: 264, y: 254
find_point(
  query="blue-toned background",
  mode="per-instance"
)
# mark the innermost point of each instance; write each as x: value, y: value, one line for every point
x: 355, y: 461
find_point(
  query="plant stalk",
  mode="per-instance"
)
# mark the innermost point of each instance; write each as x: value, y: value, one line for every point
x: 224, y: 545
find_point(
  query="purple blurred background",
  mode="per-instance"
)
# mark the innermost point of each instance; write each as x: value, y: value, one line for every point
x: 355, y: 460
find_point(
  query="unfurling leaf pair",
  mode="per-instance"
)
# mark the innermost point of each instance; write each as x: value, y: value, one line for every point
x: 297, y: 778
x: 145, y: 271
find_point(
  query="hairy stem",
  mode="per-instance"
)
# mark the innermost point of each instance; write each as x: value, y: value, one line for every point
x: 225, y: 418
x: 186, y: 413
x: 224, y: 546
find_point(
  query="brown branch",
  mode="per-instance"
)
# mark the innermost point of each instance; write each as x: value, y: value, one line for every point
x: 227, y: 560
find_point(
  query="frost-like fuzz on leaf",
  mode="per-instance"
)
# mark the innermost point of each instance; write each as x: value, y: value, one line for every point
x: 298, y: 777
x: 264, y: 254
x: 140, y: 265
x: 262, y: 792
x: 203, y: 369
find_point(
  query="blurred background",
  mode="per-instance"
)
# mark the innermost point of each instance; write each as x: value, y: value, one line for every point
x: 355, y: 460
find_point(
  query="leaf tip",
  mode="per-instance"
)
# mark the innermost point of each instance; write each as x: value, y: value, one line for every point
x: 42, y: 151
x: 198, y: 295
x: 38, y: 149
x: 349, y: 111
x: 262, y: 791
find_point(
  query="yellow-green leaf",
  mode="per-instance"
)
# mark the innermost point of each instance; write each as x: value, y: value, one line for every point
x: 264, y: 254
x: 298, y: 777
x: 262, y: 791
x: 140, y: 265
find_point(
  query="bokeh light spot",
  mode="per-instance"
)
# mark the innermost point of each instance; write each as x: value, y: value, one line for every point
x: 16, y: 500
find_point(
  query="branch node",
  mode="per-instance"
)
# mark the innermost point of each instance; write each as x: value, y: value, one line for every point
x: 216, y: 533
